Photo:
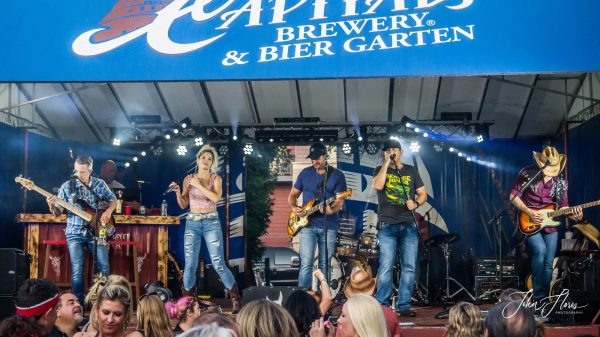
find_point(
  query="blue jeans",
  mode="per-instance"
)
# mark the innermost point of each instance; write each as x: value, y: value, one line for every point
x: 405, y: 237
x: 76, y: 243
x: 542, y: 247
x: 309, y: 238
x: 210, y: 230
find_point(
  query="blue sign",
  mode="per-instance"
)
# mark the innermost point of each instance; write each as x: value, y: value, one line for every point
x: 123, y: 40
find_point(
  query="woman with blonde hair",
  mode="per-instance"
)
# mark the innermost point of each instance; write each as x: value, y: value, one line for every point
x: 112, y: 313
x: 464, y: 320
x: 152, y: 317
x: 185, y: 310
x: 264, y: 318
x: 92, y: 295
x: 201, y: 191
x: 362, y: 316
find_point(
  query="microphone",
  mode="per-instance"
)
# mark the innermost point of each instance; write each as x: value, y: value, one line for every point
x: 170, y: 189
x: 142, y: 182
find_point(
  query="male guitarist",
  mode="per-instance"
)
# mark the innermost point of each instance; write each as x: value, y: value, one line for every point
x: 77, y: 232
x: 310, y: 184
x: 550, y: 187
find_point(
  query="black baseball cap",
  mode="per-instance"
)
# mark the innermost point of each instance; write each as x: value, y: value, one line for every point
x: 317, y: 150
x: 391, y: 143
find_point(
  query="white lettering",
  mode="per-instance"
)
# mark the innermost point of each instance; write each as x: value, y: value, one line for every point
x: 440, y: 36
x: 295, y: 51
x: 319, y: 10
x: 279, y: 10
x: 469, y: 35
x: 252, y: 6
x: 373, y: 7
x: 285, y: 34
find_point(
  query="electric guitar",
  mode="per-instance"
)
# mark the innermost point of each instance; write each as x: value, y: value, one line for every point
x: 106, y: 232
x: 296, y: 222
x: 528, y: 227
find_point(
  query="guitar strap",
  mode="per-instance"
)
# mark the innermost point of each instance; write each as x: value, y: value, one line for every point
x: 330, y: 169
x: 72, y: 187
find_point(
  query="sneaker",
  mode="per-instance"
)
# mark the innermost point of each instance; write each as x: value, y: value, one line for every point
x: 407, y: 313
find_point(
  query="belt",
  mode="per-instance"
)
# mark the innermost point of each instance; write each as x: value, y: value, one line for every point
x: 202, y: 216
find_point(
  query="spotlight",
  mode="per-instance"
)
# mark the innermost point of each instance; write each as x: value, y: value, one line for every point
x: 235, y: 137
x: 321, y: 139
x: 346, y: 148
x: 425, y: 134
x: 156, y: 150
x: 271, y: 140
x: 372, y: 148
x: 468, y: 158
x: 135, y: 159
x: 223, y: 150
x: 360, y: 138
x: 451, y: 149
x: 127, y: 164
x: 143, y: 153
x: 417, y: 130
x: 185, y: 123
x: 167, y: 136
x: 248, y: 149
x: 116, y: 141
x: 176, y: 131
x: 415, y: 147
x: 408, y: 125
x: 181, y: 150
x: 198, y: 141
x: 460, y: 154
x: 437, y: 148
x: 479, y: 138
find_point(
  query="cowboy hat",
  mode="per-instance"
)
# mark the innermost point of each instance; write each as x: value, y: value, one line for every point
x: 556, y: 162
x: 360, y: 282
x: 590, y: 232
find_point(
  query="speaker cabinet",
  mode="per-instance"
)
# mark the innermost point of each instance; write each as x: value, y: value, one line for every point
x: 14, y: 270
x: 276, y: 294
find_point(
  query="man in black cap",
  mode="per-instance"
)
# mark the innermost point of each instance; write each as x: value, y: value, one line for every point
x: 310, y: 183
x: 400, y: 191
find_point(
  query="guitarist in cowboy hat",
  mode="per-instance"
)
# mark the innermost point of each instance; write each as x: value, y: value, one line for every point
x: 549, y: 187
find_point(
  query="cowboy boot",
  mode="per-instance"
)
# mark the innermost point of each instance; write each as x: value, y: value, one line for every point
x: 235, y: 299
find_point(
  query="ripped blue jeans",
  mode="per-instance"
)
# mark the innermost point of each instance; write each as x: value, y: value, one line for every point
x: 210, y: 230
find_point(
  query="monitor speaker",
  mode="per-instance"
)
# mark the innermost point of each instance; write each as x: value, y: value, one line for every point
x: 14, y: 270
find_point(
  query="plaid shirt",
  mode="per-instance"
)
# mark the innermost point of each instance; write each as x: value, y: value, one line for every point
x: 75, y: 224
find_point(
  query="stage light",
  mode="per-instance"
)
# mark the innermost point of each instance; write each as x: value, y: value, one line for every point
x: 167, y: 136
x: 460, y: 154
x: 468, y: 158
x: 116, y: 141
x: 176, y: 131
x: 479, y: 138
x: 135, y: 159
x: 127, y: 164
x: 248, y: 149
x: 360, y: 138
x: 198, y: 141
x: 346, y: 148
x: 408, y: 125
x: 182, y: 150
x: 417, y: 130
x: 321, y: 139
x: 185, y: 123
x: 235, y: 137
x: 437, y: 148
x: 223, y: 150
x: 425, y: 134
x: 271, y: 140
x: 415, y: 147
x: 143, y: 153
x: 451, y: 149
x: 372, y: 148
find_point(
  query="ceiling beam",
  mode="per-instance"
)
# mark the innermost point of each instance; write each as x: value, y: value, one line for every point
x: 36, y: 100
x: 532, y: 88
x: 119, y: 102
x: 345, y: 101
x: 483, y: 95
x: 299, y: 99
x: 209, y: 101
x: 570, y: 104
x: 391, y: 98
x: 437, y: 97
x: 253, y: 105
x: 37, y: 110
x: 85, y: 114
x: 164, y: 102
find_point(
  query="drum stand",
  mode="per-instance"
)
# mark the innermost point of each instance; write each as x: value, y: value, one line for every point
x: 446, y: 249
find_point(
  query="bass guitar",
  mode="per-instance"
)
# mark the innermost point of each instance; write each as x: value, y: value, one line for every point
x: 528, y: 227
x: 106, y: 231
x: 296, y: 222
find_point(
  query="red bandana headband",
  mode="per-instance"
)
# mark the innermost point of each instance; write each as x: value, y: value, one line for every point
x: 39, y: 308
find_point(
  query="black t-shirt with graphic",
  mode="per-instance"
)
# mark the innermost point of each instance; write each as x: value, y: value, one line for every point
x: 392, y: 198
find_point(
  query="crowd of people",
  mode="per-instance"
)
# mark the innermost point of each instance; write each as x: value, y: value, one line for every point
x: 43, y: 310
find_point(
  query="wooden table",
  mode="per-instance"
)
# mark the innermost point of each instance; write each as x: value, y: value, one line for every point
x: 152, y: 232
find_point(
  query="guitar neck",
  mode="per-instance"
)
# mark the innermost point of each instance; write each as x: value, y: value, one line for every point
x: 71, y: 208
x: 316, y: 207
x: 569, y: 210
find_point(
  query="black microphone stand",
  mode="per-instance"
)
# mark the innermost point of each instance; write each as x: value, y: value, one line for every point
x: 324, y: 192
x: 497, y: 218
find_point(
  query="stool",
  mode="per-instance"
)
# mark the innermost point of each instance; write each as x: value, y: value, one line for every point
x: 48, y: 244
x: 134, y: 245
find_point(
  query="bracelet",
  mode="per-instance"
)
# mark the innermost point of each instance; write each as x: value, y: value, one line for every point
x: 323, y: 280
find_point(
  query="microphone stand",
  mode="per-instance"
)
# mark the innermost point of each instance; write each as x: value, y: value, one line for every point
x: 412, y: 212
x: 324, y: 192
x: 497, y: 218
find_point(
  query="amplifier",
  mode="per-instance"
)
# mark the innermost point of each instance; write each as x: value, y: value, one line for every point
x: 485, y: 266
x: 485, y: 284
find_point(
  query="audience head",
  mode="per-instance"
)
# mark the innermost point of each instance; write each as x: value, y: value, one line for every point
x: 362, y: 316
x: 511, y: 294
x: 509, y: 319
x: 113, y: 309
x: 152, y: 317
x: 101, y: 282
x: 264, y: 318
x: 108, y: 171
x: 304, y: 310
x: 210, y: 330
x: 69, y: 310
x: 184, y: 309
x: 465, y: 320
x: 218, y: 319
x: 35, y: 303
x: 359, y: 282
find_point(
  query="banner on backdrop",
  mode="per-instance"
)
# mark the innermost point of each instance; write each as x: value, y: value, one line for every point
x: 127, y: 40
